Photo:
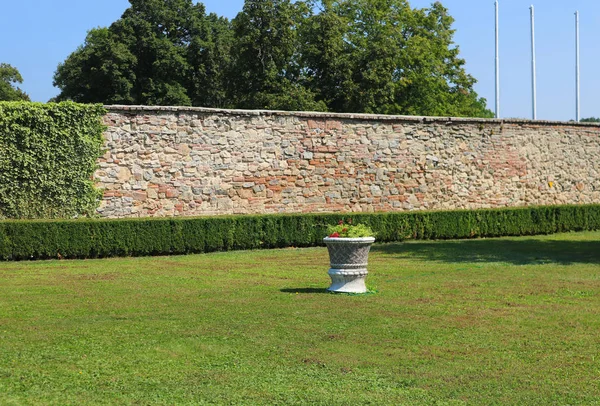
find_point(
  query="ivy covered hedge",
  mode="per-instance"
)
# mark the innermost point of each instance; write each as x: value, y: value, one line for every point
x: 92, y: 238
x: 48, y: 154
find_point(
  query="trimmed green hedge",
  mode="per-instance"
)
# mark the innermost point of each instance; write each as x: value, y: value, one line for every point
x: 48, y: 154
x: 90, y: 238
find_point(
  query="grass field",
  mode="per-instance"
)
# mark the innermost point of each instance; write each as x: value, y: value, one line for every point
x: 512, y: 321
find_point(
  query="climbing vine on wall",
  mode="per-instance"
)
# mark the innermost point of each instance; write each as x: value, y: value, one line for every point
x: 48, y: 155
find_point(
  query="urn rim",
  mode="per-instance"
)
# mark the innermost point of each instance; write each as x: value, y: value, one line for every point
x: 340, y: 240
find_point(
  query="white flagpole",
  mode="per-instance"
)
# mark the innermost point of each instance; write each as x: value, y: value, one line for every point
x: 533, y: 70
x: 577, y: 74
x: 497, y: 65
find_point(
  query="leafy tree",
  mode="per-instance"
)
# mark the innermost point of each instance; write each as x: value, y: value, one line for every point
x: 590, y: 120
x: 432, y: 79
x: 371, y: 56
x: 209, y: 57
x: 99, y: 71
x: 158, y: 53
x: 328, y: 56
x: 8, y: 77
x: 353, y: 53
x: 266, y: 72
x: 157, y: 33
x: 381, y: 56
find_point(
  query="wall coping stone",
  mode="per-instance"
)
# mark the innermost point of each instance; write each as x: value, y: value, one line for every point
x: 343, y: 116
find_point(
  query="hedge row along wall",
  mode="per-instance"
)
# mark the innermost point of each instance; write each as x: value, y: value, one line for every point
x: 48, y: 155
x: 91, y: 238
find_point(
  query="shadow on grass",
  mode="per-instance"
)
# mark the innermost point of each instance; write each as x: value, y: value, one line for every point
x: 305, y: 290
x: 518, y: 252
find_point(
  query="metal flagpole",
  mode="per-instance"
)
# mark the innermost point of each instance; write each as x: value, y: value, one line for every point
x: 533, y: 70
x: 577, y: 74
x: 497, y: 66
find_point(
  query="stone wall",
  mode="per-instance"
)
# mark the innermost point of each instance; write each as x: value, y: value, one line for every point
x: 163, y: 161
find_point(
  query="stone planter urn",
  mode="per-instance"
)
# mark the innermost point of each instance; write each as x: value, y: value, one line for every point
x: 348, y: 259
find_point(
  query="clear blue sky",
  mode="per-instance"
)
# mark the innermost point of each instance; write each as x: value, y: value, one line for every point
x: 36, y: 35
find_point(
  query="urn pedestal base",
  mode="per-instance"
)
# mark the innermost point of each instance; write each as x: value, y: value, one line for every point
x: 348, y: 280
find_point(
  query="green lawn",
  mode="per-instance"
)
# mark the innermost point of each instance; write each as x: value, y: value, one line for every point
x: 512, y: 321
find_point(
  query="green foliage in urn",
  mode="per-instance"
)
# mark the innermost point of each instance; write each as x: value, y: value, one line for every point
x: 345, y: 229
x: 91, y: 238
x: 48, y: 154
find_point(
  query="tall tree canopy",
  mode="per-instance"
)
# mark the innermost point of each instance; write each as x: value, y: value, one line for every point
x: 160, y: 52
x: 266, y: 69
x: 372, y: 56
x: 9, y: 77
